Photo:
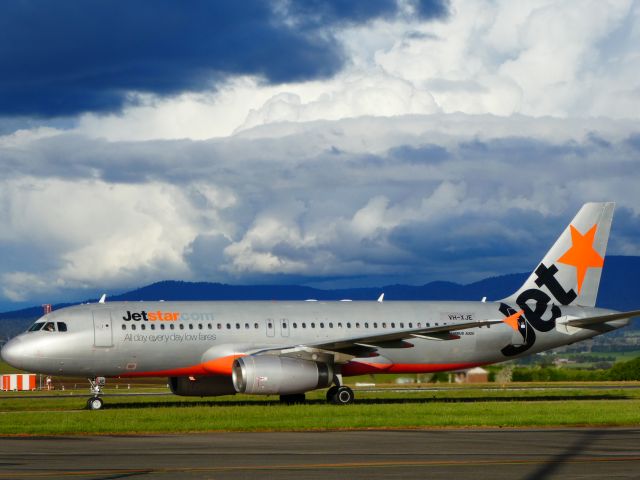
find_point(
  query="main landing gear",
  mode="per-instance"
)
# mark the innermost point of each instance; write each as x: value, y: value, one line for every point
x: 95, y: 402
x: 340, y: 394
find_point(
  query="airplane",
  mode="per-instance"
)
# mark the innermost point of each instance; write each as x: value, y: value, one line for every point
x: 290, y: 348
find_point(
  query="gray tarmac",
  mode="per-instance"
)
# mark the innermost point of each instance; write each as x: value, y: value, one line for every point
x: 589, y: 453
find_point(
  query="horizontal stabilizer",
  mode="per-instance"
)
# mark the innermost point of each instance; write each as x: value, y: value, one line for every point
x: 585, y: 322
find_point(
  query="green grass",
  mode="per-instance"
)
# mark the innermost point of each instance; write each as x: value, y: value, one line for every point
x: 446, y: 408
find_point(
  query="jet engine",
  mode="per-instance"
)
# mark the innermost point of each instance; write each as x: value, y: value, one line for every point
x: 270, y: 374
x: 202, y: 386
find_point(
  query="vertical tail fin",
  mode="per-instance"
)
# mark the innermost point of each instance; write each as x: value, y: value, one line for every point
x: 570, y: 271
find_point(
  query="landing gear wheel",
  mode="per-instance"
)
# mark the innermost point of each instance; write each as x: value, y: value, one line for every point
x: 293, y: 398
x: 331, y: 393
x: 95, y: 403
x: 342, y: 396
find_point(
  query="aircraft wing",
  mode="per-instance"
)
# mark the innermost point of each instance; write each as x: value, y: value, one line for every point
x: 440, y: 333
x: 585, y: 322
x: 359, y: 345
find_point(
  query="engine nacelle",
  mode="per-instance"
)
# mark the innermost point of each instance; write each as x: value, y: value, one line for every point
x: 202, y: 387
x: 270, y: 374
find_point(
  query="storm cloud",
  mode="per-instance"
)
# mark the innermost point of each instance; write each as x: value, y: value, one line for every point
x: 63, y: 58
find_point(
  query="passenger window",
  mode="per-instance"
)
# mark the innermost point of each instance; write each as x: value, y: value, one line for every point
x: 255, y: 325
x: 181, y: 326
x: 384, y: 324
x: 124, y: 327
x: 143, y: 326
x: 172, y: 326
x: 339, y: 324
x: 304, y: 325
x: 295, y: 325
x: 133, y: 327
x: 349, y: 325
x: 191, y: 326
x: 199, y: 326
x: 321, y: 324
x: 153, y: 327
x: 313, y: 325
x: 237, y: 326
x: 246, y: 326
x: 209, y: 326
x: 229, y: 326
x: 375, y: 324
x: 393, y: 324
x: 366, y: 324
x: 162, y: 326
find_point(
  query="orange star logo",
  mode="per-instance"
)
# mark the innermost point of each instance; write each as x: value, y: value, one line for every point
x: 582, y: 255
x: 512, y: 320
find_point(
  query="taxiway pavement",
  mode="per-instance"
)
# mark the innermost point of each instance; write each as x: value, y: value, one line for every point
x: 462, y: 454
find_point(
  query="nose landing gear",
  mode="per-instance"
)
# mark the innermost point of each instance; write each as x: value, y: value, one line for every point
x: 95, y: 402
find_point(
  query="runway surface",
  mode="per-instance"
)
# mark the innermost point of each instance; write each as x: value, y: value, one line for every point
x: 451, y: 454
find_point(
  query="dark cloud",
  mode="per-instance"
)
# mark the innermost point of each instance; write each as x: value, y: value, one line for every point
x: 626, y: 233
x: 323, y: 12
x: 205, y: 255
x: 523, y: 148
x: 479, y: 241
x: 423, y: 153
x: 62, y: 58
x: 634, y: 141
x: 429, y: 9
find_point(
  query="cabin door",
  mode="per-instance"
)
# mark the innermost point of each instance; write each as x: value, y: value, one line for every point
x: 102, y: 331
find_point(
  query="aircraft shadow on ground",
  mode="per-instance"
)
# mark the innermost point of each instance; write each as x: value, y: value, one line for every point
x: 550, y: 469
x: 365, y: 401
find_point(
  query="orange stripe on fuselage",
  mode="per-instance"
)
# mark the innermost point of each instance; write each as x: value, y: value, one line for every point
x: 361, y: 368
x: 222, y: 365
x: 218, y: 366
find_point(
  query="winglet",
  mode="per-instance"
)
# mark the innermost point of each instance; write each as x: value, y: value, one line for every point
x: 381, y: 298
x: 103, y: 298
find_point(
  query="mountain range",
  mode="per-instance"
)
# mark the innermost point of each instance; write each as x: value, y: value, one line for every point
x: 618, y: 290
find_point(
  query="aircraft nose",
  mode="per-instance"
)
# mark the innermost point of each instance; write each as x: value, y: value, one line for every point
x: 13, y: 352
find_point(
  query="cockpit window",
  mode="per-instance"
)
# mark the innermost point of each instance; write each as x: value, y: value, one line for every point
x: 62, y: 327
x: 35, y: 327
x: 49, y: 327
